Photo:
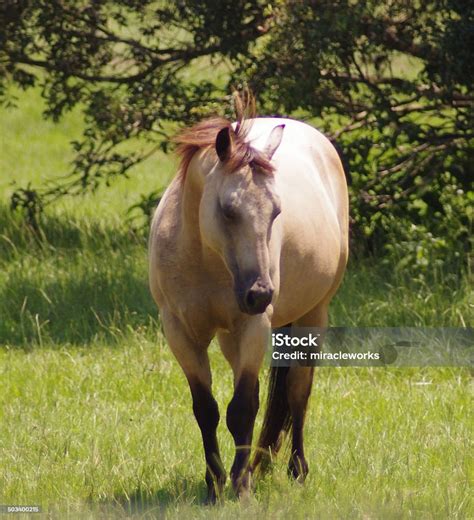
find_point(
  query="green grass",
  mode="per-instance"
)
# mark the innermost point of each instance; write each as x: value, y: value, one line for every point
x: 35, y: 150
x: 111, y: 430
x: 95, y: 414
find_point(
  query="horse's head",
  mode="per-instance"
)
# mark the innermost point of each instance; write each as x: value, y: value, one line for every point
x: 238, y: 210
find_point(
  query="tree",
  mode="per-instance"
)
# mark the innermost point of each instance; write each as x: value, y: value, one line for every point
x: 123, y: 62
x: 391, y: 82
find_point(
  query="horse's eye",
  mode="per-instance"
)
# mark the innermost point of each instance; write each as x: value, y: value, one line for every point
x: 229, y: 212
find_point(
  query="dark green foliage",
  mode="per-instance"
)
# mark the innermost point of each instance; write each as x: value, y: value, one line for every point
x: 122, y: 62
x: 391, y: 82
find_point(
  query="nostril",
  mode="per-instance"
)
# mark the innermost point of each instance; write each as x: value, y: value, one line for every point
x: 256, y: 298
x: 251, y: 300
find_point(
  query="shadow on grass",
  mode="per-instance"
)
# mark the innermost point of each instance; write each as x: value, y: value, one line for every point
x: 63, y: 232
x: 74, y: 283
x: 179, y: 492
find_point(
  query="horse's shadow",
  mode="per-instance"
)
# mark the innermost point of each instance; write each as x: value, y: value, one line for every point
x: 180, y: 491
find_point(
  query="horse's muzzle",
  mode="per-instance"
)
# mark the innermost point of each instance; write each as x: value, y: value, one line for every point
x: 256, y: 299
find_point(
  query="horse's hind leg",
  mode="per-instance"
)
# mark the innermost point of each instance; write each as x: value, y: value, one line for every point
x: 299, y: 382
x: 195, y: 364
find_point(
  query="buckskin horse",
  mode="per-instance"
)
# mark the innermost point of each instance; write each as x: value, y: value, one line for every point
x: 251, y: 234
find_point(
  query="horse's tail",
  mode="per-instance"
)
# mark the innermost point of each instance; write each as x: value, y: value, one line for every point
x: 277, y: 420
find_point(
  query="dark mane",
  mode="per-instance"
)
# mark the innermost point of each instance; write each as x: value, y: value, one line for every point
x: 203, y: 135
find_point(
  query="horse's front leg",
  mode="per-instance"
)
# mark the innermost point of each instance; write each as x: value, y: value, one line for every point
x: 245, y: 351
x: 194, y: 361
x: 241, y: 414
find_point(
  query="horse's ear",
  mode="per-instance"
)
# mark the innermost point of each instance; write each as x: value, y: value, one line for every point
x: 274, y: 141
x: 224, y: 143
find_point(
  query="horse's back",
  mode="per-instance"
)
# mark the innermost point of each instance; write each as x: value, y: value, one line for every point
x: 306, y: 161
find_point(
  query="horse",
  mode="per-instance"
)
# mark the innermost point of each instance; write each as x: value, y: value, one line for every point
x: 251, y: 234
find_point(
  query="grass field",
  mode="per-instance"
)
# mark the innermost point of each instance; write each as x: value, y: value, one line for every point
x: 95, y: 415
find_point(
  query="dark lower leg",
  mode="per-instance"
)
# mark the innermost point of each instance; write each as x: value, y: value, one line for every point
x: 241, y: 415
x: 297, y: 465
x: 207, y: 416
x: 299, y: 389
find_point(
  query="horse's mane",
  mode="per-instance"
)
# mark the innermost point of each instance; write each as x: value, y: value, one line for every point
x: 203, y: 135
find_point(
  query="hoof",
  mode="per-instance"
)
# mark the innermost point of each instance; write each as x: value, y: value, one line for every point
x: 242, y: 485
x: 298, y: 468
x: 211, y: 498
x: 215, y: 489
